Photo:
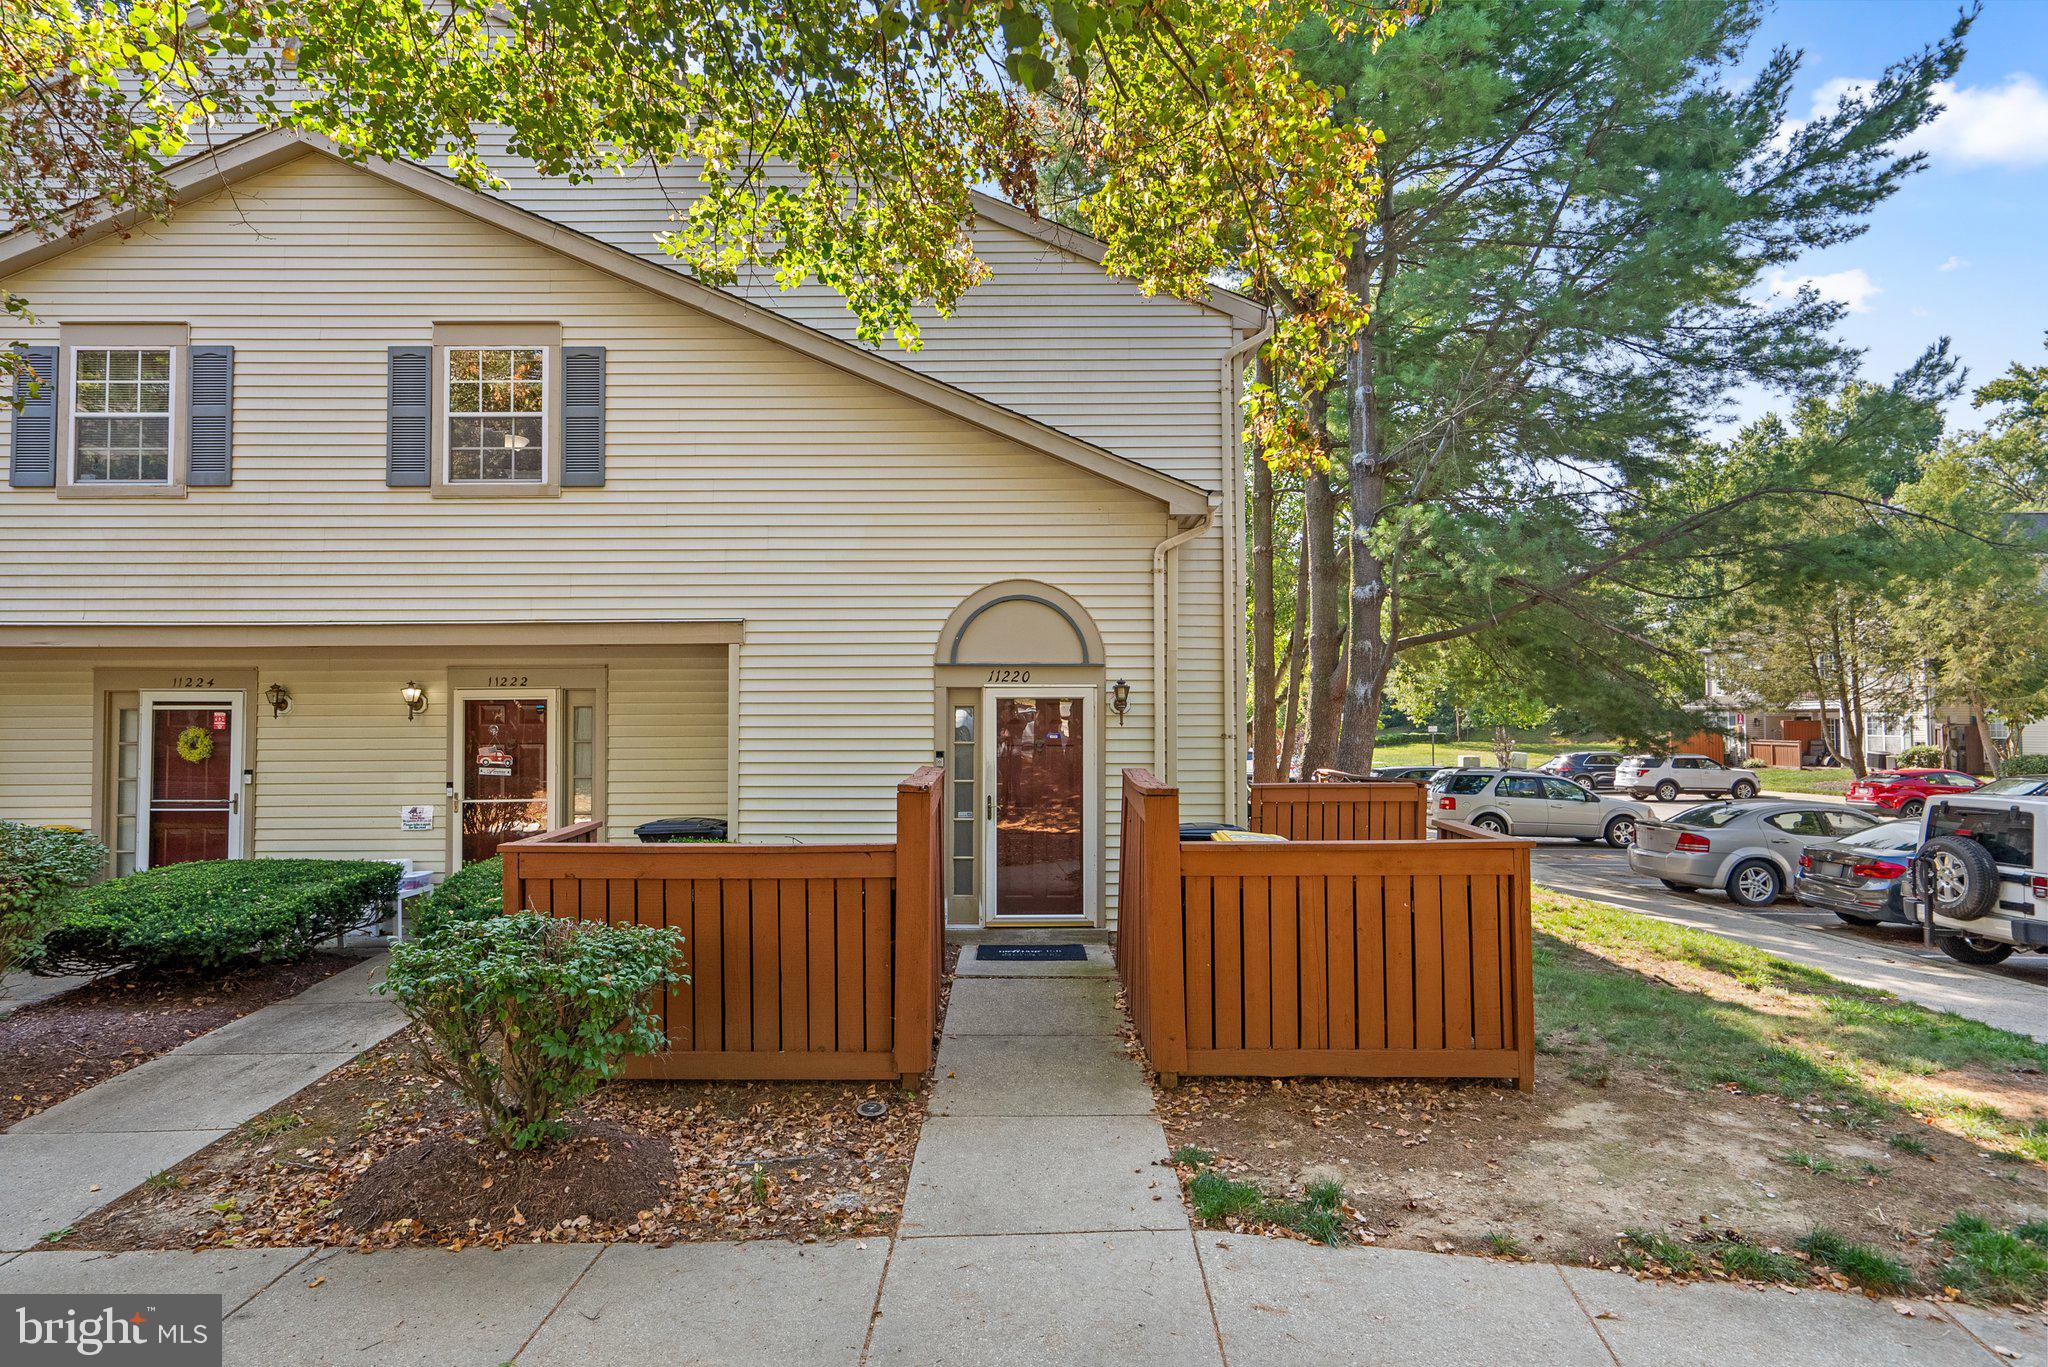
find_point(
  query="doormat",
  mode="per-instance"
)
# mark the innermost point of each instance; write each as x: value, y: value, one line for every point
x: 1030, y: 954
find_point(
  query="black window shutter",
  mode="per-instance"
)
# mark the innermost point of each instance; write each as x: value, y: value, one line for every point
x: 406, y: 412
x: 582, y: 417
x: 209, y: 451
x: 32, y: 461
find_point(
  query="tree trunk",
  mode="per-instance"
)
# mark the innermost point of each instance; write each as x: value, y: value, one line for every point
x: 1325, y: 623
x: 1371, y: 653
x: 1265, y: 669
x: 1844, y: 702
x: 1283, y: 763
x: 1981, y: 719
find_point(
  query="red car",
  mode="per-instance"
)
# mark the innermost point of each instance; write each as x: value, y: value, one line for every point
x: 1905, y: 791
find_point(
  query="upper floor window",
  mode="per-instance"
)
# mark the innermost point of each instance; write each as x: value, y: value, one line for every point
x: 121, y: 410
x: 497, y: 406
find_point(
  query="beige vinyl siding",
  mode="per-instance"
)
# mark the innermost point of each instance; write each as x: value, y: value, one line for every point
x: 332, y: 773
x: 1053, y: 336
x: 46, y: 742
x: 667, y: 734
x: 840, y: 522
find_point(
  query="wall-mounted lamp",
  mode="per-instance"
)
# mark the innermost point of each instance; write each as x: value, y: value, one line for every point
x: 280, y: 699
x: 415, y: 699
x: 1120, y: 699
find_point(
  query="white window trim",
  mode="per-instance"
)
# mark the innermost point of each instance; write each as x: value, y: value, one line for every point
x: 173, y: 448
x: 548, y: 404
x: 90, y: 336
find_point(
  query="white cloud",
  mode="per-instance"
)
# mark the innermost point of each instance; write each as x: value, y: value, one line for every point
x: 1852, y: 289
x: 2002, y: 125
x: 1979, y: 125
x: 1954, y: 263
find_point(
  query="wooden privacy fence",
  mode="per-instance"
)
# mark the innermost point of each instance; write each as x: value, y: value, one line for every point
x: 805, y: 962
x: 1372, y: 809
x: 1387, y: 958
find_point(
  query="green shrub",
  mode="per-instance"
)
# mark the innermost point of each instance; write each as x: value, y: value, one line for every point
x: 471, y: 893
x: 38, y: 865
x: 1922, y: 757
x: 525, y: 1015
x: 2015, y: 765
x: 213, y: 914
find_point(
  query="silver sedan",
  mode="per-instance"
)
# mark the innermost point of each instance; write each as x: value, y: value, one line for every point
x: 1751, y: 849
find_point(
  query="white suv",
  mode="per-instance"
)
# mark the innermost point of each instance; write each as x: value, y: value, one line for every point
x: 1644, y: 775
x: 1980, y: 881
x: 1522, y: 802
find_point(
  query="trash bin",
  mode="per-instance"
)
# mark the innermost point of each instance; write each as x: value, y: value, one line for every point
x: 1204, y: 830
x: 674, y: 828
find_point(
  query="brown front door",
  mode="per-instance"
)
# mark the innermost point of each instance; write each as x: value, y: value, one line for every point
x: 504, y: 772
x: 191, y: 782
x: 1037, y: 805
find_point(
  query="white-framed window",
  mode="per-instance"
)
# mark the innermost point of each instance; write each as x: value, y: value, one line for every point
x: 122, y: 400
x: 496, y: 404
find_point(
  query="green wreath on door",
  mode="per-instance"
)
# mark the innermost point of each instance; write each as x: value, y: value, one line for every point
x: 195, y: 745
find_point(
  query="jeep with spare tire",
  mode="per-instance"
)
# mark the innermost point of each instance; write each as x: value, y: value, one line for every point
x: 1979, y: 882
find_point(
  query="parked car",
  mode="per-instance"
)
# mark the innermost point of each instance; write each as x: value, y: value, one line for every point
x: 1524, y: 802
x: 1671, y: 776
x: 1860, y: 877
x: 1980, y: 878
x: 1410, y: 773
x: 1592, y: 770
x: 1906, y: 791
x: 1750, y: 849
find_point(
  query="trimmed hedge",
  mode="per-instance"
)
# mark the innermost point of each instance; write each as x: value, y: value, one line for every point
x: 214, y: 914
x: 474, y: 892
x: 38, y: 865
x: 2023, y: 764
x: 1922, y: 757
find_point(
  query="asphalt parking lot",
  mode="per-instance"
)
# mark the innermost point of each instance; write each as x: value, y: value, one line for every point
x: 1603, y: 874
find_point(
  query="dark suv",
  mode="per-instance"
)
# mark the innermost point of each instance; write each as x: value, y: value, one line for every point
x: 1592, y: 770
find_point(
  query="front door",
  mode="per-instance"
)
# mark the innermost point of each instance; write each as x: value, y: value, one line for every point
x: 504, y: 771
x: 1038, y: 812
x: 191, y: 765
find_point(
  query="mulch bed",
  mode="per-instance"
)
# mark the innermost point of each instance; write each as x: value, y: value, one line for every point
x: 59, y: 1047
x: 380, y: 1154
x: 1453, y: 1167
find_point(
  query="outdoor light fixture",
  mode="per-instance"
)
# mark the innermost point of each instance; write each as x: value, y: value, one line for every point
x: 415, y: 699
x: 280, y: 699
x: 1120, y: 698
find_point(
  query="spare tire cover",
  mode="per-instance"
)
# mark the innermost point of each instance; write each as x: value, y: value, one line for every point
x: 1957, y: 877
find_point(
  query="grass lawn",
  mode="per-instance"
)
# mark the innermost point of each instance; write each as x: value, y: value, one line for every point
x: 1702, y: 1109
x: 1834, y: 781
x: 1448, y: 750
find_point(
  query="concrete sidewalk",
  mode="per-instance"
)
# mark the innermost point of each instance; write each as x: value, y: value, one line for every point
x: 1041, y: 1226
x: 80, y: 1154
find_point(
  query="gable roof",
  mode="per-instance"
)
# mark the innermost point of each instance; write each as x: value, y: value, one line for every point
x: 1242, y: 311
x: 258, y: 152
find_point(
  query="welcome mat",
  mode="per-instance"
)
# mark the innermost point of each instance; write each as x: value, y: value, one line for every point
x: 1030, y: 954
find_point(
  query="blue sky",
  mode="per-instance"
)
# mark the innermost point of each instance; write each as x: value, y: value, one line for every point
x: 1958, y: 252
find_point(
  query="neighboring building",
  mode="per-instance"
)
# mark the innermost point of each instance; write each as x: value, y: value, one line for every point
x: 373, y: 516
x: 1804, y: 723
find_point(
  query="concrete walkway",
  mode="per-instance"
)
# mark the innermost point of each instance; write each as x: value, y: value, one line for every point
x: 1040, y: 1227
x: 1931, y: 980
x: 83, y: 1152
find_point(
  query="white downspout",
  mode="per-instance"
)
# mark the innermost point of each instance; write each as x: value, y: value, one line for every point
x: 1168, y: 705
x: 1234, y: 665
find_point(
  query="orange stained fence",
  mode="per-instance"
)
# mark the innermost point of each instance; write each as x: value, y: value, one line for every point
x: 1375, y: 958
x: 1370, y: 809
x: 804, y: 962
